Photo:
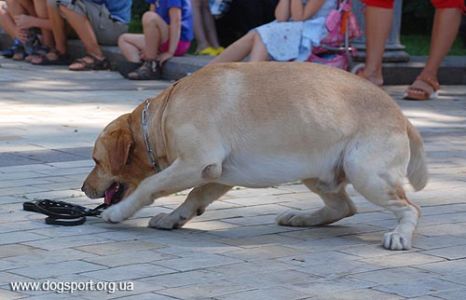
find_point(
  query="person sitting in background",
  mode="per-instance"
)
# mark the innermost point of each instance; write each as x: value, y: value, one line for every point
x: 167, y: 32
x: 379, y: 15
x: 204, y: 29
x: 95, y: 22
x: 299, y: 26
x: 17, y: 17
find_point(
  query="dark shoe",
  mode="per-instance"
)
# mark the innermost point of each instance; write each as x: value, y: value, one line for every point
x: 8, y: 53
x: 126, y: 67
x: 150, y: 70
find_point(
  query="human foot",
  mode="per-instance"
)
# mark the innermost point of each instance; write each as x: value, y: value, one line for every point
x: 423, y: 88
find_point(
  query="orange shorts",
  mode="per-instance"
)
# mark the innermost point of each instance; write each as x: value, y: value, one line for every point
x: 436, y: 3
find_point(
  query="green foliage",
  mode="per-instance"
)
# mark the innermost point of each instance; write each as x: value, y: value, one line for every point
x: 138, y: 9
x: 418, y: 44
x: 417, y: 17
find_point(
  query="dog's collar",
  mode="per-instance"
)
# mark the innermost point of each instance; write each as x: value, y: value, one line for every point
x: 158, y: 153
x: 145, y: 134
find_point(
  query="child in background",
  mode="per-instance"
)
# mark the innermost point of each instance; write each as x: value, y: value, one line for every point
x: 204, y: 29
x: 17, y: 18
x: 167, y: 32
x: 299, y: 26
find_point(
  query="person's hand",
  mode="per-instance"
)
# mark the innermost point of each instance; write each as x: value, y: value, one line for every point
x: 142, y: 56
x: 24, y: 21
x: 21, y: 35
x: 163, y: 57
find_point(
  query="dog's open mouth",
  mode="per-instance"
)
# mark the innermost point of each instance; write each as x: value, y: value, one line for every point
x: 114, y: 193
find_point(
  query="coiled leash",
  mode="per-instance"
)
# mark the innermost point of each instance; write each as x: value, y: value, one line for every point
x: 63, y: 213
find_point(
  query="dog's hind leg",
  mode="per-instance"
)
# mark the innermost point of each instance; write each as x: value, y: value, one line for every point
x: 194, y: 205
x: 180, y: 175
x: 338, y: 205
x: 380, y: 181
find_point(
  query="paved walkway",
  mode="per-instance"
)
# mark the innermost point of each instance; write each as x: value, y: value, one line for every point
x: 49, y: 119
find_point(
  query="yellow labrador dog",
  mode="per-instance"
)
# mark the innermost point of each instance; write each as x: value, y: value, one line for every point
x: 260, y: 125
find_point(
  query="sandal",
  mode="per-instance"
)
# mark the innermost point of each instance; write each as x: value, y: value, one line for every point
x: 52, y: 58
x: 126, y: 67
x: 8, y: 53
x: 150, y: 70
x: 209, y: 51
x: 19, y: 53
x: 38, y: 52
x: 90, y: 63
x: 358, y: 70
x: 423, y: 88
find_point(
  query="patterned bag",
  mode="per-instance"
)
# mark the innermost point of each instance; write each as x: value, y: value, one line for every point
x: 338, y: 21
x: 334, y: 60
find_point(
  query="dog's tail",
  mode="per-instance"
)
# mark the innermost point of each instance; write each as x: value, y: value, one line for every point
x: 417, y: 168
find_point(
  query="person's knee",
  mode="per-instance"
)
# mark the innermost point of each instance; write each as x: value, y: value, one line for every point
x: 252, y: 36
x: 122, y: 40
x: 150, y: 18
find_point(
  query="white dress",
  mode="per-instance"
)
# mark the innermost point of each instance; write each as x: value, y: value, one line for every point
x: 293, y: 40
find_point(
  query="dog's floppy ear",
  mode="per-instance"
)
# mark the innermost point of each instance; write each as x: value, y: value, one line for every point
x: 119, y: 147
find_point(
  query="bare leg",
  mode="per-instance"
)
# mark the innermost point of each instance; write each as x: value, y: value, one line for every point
x: 259, y: 52
x: 444, y: 31
x: 14, y: 8
x: 41, y: 11
x: 195, y: 205
x: 236, y: 51
x: 6, y: 21
x: 131, y: 46
x: 84, y: 30
x: 155, y: 33
x: 378, y: 26
x: 209, y: 25
x: 199, y: 32
x: 27, y: 7
x: 58, y: 27
x: 338, y: 205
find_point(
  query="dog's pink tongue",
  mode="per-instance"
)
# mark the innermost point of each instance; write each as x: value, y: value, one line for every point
x: 110, y: 192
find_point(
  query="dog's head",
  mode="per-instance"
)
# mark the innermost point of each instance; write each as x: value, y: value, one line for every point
x: 120, y: 163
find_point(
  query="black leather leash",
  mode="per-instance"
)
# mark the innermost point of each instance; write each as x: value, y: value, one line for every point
x: 63, y: 213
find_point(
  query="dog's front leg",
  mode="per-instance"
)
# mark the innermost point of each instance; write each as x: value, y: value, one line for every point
x: 194, y: 205
x: 180, y: 175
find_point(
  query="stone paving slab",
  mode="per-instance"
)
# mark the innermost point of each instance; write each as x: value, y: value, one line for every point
x: 49, y: 119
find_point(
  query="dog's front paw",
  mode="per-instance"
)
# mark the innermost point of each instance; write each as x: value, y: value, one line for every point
x: 396, y: 241
x: 164, y: 221
x: 113, y: 214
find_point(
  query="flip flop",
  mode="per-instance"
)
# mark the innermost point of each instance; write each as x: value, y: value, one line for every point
x: 423, y: 88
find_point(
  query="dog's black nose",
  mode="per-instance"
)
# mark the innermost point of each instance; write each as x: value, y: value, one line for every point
x: 83, y: 189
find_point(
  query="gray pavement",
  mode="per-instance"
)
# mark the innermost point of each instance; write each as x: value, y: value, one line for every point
x: 49, y: 119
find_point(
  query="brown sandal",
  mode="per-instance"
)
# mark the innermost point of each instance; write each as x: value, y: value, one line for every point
x: 423, y: 88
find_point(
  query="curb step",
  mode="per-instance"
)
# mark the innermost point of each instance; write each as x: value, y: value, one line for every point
x: 452, y: 71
